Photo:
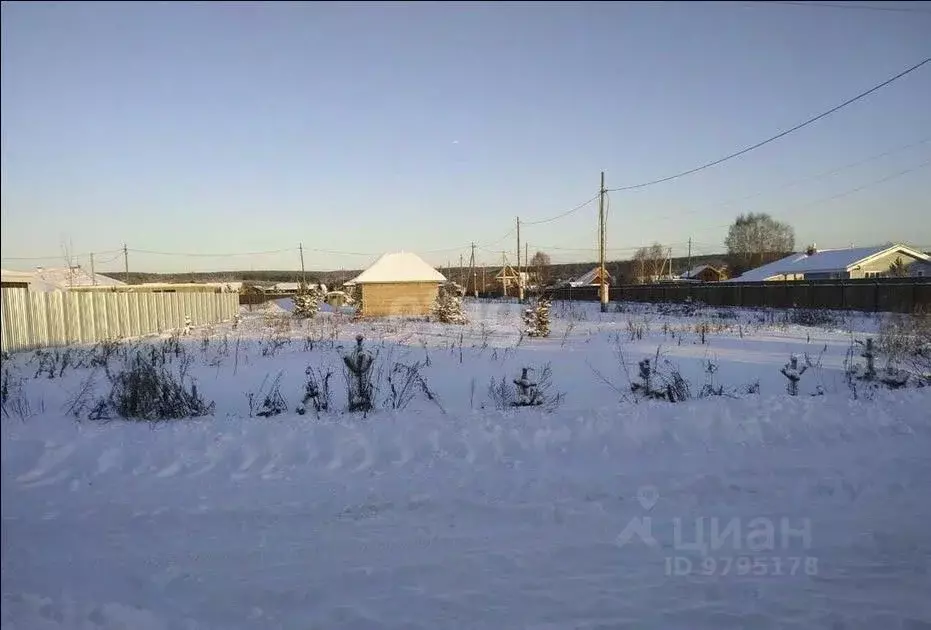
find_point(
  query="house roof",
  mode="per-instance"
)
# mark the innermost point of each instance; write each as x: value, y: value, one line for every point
x: 50, y: 279
x: 399, y: 267
x: 824, y: 261
x: 589, y: 277
x: 691, y: 273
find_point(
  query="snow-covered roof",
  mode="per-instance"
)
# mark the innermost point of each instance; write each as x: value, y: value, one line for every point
x: 823, y: 261
x: 399, y: 267
x: 691, y: 273
x: 51, y: 279
x: 590, y: 277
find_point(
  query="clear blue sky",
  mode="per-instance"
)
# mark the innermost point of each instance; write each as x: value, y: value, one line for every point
x: 366, y: 127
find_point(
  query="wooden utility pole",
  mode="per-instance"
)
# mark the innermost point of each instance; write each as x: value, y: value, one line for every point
x: 93, y: 275
x: 472, y: 273
x: 460, y: 273
x: 126, y: 262
x: 603, y: 294
x: 520, y: 285
x: 690, y: 255
x: 300, y: 247
x: 504, y: 275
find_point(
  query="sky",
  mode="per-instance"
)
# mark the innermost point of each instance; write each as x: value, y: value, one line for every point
x: 230, y: 130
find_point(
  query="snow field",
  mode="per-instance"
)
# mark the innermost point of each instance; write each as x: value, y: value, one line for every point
x: 464, y: 517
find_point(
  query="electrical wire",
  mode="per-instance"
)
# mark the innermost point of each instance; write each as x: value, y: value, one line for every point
x: 865, y: 186
x: 202, y: 255
x: 57, y: 256
x: 779, y: 135
x: 561, y: 215
x: 861, y: 7
x: 795, y: 182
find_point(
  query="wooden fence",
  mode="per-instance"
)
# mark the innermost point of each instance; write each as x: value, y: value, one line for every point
x: 61, y: 318
x: 899, y: 295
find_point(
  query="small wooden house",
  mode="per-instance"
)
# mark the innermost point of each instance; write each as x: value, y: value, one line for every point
x: 592, y: 278
x: 398, y: 284
x: 705, y: 273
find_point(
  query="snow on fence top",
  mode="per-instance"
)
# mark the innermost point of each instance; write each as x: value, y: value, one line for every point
x: 399, y: 267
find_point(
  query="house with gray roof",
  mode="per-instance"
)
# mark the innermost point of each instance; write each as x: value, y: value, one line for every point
x: 879, y: 261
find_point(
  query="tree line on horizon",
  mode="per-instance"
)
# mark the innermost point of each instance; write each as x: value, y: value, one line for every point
x: 752, y: 240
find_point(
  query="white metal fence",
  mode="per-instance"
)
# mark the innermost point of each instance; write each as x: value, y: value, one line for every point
x: 61, y: 318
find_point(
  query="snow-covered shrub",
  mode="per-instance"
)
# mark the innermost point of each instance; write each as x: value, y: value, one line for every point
x: 526, y: 391
x: 147, y: 389
x: 793, y: 373
x: 537, y: 319
x: 869, y: 376
x: 307, y: 303
x: 404, y: 381
x: 447, y: 308
x: 710, y: 388
x: 268, y: 401
x: 358, y: 373
x: 500, y: 393
x: 316, y: 390
x: 811, y: 317
x: 637, y: 330
x: 905, y: 340
x: 13, y: 401
x: 277, y: 339
x: 655, y: 384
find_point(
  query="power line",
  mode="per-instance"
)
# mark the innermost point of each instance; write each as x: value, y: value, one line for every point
x: 802, y: 180
x: 865, y: 186
x: 563, y: 214
x: 845, y: 193
x: 58, y: 256
x: 779, y: 135
x: 861, y: 7
x: 202, y: 255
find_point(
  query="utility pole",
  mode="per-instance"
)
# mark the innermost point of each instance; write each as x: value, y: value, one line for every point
x: 504, y: 275
x: 601, y: 244
x: 126, y: 262
x: 472, y: 273
x: 460, y: 273
x: 93, y: 275
x: 520, y: 285
x: 300, y: 247
x: 690, y: 255
x: 483, y: 278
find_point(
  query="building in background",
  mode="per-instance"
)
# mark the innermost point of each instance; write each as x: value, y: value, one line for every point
x: 880, y: 261
x: 398, y: 284
x: 56, y: 279
x: 705, y: 273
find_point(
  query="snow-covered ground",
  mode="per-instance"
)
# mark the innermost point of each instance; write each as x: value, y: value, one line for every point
x: 739, y: 511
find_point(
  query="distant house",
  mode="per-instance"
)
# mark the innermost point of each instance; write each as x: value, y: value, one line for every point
x: 592, y: 278
x: 398, y: 284
x: 56, y: 279
x: 704, y: 273
x: 509, y: 277
x: 851, y: 263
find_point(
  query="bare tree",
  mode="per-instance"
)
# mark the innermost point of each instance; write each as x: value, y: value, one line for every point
x: 67, y: 250
x: 756, y: 239
x: 649, y: 263
x: 541, y: 261
x: 898, y: 269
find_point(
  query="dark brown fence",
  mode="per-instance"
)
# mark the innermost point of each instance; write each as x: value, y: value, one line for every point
x: 900, y: 295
